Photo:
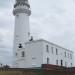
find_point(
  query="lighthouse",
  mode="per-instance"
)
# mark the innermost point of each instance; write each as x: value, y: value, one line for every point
x: 21, y: 12
x: 29, y: 53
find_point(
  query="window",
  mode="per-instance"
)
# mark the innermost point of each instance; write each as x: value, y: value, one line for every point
x: 47, y: 60
x: 61, y: 62
x: 16, y: 54
x: 71, y: 56
x: 66, y: 64
x: 20, y: 46
x: 28, y: 33
x: 17, y: 16
x: 71, y: 64
x: 52, y: 49
x: 56, y: 51
x: 47, y: 48
x: 56, y: 62
x: 33, y: 58
x: 65, y: 54
x: 23, y: 54
x: 68, y: 55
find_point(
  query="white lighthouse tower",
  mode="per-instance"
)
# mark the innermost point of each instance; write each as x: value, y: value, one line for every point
x: 22, y: 32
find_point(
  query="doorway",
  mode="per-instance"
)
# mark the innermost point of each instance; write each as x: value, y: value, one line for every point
x: 61, y: 62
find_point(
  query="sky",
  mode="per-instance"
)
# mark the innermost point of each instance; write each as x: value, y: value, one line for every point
x: 52, y: 20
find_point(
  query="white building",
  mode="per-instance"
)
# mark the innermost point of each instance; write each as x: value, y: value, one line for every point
x: 34, y: 53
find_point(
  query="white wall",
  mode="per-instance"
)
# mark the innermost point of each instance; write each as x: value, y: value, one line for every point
x: 33, y: 55
x: 22, y: 29
x: 36, y: 54
x: 53, y: 57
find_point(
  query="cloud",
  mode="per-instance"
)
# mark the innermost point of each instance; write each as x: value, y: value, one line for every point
x: 53, y: 20
x: 56, y: 18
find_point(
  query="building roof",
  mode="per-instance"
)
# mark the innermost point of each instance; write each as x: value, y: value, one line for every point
x: 42, y: 40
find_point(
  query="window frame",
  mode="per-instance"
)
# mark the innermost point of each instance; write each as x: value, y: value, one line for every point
x: 56, y: 51
x: 47, y: 60
x: 23, y: 54
x: 47, y: 48
x: 57, y: 62
x: 52, y: 50
x: 65, y: 54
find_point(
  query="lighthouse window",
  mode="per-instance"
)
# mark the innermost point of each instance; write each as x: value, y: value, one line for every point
x: 23, y: 54
x: 20, y: 46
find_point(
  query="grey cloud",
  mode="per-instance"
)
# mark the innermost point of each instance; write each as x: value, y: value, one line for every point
x: 53, y: 20
x: 57, y: 23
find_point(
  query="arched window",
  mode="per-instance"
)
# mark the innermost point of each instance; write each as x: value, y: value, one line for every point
x: 23, y: 54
